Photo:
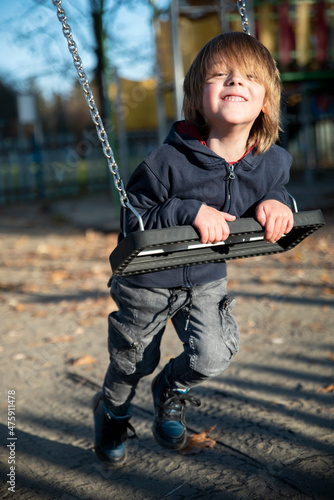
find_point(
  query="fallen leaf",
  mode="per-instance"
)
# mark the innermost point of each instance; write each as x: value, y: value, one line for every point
x: 330, y: 356
x: 20, y: 242
x: 40, y: 314
x: 31, y: 288
x: 86, y: 321
x: 84, y: 360
x: 264, y: 279
x: 64, y: 338
x: 329, y: 388
x: 325, y: 278
x: 315, y: 326
x: 59, y: 275
x: 196, y: 442
x: 233, y: 282
x: 36, y: 344
x: 20, y: 307
x: 296, y: 256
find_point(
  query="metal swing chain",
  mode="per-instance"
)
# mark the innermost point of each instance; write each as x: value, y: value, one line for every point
x: 95, y: 115
x: 101, y: 133
x: 243, y: 16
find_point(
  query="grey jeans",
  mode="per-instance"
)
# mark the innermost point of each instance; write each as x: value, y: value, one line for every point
x: 203, y: 321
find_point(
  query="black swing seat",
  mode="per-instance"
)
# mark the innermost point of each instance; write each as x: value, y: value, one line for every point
x: 158, y: 249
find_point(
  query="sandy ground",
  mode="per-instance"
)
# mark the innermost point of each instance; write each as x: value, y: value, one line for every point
x: 270, y: 417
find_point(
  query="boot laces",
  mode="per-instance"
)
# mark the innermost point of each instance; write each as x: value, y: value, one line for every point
x: 173, y: 406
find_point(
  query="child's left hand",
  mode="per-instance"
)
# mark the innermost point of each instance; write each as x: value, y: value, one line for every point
x: 275, y: 217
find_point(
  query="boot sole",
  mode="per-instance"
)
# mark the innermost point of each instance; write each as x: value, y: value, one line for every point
x: 166, y: 444
x: 112, y: 464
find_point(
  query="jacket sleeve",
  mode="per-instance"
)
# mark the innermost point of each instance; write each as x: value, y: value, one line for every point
x: 150, y: 197
x: 278, y: 178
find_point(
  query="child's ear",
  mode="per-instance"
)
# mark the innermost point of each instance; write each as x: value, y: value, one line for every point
x: 264, y: 108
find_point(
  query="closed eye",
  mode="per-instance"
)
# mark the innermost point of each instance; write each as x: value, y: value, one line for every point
x: 215, y: 76
x: 219, y: 75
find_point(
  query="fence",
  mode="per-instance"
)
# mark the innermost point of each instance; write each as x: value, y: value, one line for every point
x: 63, y: 167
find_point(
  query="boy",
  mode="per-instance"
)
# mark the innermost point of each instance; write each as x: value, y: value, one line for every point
x: 218, y: 164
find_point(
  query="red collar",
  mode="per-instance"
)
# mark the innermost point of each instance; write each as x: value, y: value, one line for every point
x: 190, y: 129
x: 243, y: 156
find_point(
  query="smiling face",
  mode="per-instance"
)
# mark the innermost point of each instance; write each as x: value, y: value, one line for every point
x: 223, y: 65
x: 231, y: 98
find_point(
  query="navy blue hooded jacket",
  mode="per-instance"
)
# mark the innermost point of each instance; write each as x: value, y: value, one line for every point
x: 170, y: 185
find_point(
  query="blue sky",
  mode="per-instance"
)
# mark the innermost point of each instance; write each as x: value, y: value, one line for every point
x: 33, y: 48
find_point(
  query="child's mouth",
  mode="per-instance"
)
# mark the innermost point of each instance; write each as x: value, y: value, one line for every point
x: 235, y: 98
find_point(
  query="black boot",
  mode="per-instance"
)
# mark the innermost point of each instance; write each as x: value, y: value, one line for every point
x: 169, y: 426
x: 110, y: 432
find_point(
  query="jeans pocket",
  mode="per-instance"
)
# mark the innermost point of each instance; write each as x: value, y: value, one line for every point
x: 124, y: 351
x: 230, y: 330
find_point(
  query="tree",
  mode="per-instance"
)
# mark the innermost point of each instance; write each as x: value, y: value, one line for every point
x: 34, y: 31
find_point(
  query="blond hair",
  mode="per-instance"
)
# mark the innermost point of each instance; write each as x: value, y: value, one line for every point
x: 236, y: 49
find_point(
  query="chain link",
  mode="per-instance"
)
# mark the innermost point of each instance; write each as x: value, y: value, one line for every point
x: 95, y: 115
x: 243, y: 16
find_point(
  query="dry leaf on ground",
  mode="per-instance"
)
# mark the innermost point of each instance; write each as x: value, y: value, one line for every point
x: 59, y: 275
x: 63, y: 338
x: 40, y: 314
x: 329, y: 388
x: 84, y: 360
x: 330, y: 356
x: 196, y: 442
x: 19, y: 307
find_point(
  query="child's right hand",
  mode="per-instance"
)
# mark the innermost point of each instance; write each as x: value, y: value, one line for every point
x: 212, y: 224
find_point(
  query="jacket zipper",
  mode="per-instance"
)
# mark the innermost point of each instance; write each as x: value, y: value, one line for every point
x: 231, y: 176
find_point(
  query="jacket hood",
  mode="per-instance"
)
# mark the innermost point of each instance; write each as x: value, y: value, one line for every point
x: 180, y: 139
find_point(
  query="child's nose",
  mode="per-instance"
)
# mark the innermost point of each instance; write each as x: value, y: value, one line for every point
x: 235, y: 79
